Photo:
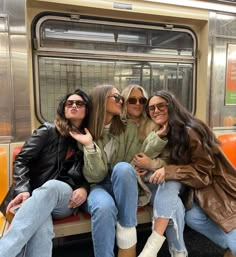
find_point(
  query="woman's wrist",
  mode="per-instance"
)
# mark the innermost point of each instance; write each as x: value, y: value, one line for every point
x: 91, y: 147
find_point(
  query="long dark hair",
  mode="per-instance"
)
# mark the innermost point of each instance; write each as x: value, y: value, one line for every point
x: 180, y: 119
x: 62, y: 124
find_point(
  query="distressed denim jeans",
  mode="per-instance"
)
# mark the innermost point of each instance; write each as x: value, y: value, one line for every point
x: 32, y: 225
x: 200, y: 222
x: 167, y: 204
x: 114, y: 199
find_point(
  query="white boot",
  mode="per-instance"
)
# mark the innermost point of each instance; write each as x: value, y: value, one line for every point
x: 153, y: 245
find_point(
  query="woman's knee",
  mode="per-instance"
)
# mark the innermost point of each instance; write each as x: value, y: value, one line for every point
x: 55, y: 186
x: 123, y: 170
x: 169, y: 188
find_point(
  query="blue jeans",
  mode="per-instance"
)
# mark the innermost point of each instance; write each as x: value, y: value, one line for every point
x: 200, y: 222
x: 32, y: 225
x: 167, y: 204
x: 114, y: 199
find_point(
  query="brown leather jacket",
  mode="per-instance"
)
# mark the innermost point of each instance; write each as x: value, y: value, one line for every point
x: 213, y: 182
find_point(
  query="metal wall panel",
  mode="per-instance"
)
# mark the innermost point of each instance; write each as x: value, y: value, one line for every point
x: 16, y: 88
x: 222, y: 32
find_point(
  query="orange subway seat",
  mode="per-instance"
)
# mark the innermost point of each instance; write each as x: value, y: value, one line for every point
x: 229, y: 146
x: 3, y: 173
x: 16, y: 151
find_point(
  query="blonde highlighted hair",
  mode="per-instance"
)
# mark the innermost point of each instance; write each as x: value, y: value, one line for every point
x: 146, y: 125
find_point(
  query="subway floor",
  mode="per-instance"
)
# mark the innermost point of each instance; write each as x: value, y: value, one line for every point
x: 81, y: 246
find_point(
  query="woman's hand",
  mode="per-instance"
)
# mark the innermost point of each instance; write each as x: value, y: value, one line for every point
x: 85, y: 139
x: 78, y: 197
x: 158, y: 176
x: 163, y: 130
x: 142, y: 161
x: 141, y: 172
x: 19, y: 199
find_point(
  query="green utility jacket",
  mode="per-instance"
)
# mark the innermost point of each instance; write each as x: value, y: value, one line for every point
x: 125, y: 146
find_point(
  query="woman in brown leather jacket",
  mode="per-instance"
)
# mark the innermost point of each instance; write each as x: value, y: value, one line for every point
x: 39, y: 186
x: 197, y: 161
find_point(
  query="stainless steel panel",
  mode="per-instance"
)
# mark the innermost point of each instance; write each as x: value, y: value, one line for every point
x: 16, y: 92
x: 222, y: 29
x: 6, y: 102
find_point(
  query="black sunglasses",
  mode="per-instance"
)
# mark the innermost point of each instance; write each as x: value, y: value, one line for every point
x: 118, y: 98
x: 78, y: 103
x: 161, y: 107
x: 134, y: 100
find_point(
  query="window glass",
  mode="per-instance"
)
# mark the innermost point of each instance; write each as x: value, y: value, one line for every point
x: 59, y: 76
x: 103, y: 37
x: 85, y: 53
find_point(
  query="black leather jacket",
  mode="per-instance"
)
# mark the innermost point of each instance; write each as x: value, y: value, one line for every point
x: 41, y: 158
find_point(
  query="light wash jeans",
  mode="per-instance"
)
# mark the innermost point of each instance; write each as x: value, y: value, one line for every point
x: 167, y: 204
x: 32, y: 225
x: 114, y: 199
x: 200, y: 222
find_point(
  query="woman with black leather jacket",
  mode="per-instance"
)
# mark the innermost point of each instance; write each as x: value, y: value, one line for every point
x: 39, y: 175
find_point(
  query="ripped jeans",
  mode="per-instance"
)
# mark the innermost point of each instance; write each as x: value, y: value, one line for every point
x: 167, y: 204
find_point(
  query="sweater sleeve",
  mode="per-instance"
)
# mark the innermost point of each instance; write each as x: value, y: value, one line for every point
x: 95, y: 168
x: 153, y: 145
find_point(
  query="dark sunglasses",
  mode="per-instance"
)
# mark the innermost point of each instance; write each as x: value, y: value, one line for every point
x: 78, y: 103
x: 161, y: 107
x: 134, y: 100
x: 117, y: 98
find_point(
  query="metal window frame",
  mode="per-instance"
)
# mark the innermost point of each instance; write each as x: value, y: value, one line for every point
x: 106, y: 55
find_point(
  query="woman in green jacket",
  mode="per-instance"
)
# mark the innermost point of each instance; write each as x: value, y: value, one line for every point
x: 113, y: 198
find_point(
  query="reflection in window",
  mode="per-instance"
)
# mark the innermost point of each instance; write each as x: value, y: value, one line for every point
x: 98, y: 37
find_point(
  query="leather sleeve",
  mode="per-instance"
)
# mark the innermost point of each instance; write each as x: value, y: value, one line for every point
x: 29, y: 152
x: 196, y: 174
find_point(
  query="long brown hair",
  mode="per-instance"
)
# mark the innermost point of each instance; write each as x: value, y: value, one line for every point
x: 180, y: 119
x: 98, y: 98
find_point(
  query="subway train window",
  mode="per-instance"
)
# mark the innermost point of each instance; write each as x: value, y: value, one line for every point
x: 71, y: 53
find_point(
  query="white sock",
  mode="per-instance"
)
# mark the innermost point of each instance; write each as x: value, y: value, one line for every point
x: 153, y: 245
x: 125, y: 237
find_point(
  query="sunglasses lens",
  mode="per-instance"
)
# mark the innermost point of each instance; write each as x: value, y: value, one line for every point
x: 161, y: 107
x: 118, y: 98
x: 78, y: 103
x: 143, y: 100
x: 69, y: 103
x: 132, y: 100
x: 151, y: 108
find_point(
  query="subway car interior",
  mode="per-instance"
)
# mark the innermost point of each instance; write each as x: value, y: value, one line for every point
x: 51, y: 47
